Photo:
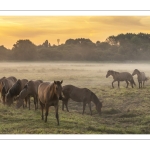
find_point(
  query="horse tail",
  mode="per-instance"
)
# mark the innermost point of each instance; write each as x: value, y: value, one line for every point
x: 146, y: 78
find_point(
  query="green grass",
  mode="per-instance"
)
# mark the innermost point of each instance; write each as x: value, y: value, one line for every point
x: 124, y: 111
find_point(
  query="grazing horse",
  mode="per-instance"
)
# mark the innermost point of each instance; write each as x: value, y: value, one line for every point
x: 140, y: 76
x: 80, y: 95
x: 121, y: 76
x: 30, y: 89
x: 5, y: 85
x: 21, y: 97
x: 49, y: 95
x: 15, y: 90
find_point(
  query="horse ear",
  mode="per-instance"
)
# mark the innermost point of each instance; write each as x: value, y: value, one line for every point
x: 61, y: 81
x: 55, y: 82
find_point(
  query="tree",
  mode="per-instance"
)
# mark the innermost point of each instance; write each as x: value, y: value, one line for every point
x: 24, y: 50
x: 46, y: 44
x: 98, y: 43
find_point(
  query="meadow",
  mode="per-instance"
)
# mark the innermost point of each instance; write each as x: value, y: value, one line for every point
x: 124, y: 111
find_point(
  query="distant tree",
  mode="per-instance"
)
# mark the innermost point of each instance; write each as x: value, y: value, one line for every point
x: 24, y: 50
x: 98, y: 43
x: 45, y: 44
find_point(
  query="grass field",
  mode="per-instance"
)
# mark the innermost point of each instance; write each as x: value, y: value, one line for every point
x: 124, y: 111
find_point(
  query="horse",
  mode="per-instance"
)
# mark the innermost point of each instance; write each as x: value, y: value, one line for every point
x: 49, y: 95
x: 23, y: 96
x: 140, y: 76
x: 15, y: 90
x: 80, y: 95
x: 5, y: 85
x: 30, y: 89
x: 121, y: 76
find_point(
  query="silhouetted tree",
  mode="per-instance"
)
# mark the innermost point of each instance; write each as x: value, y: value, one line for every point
x: 45, y: 44
x: 24, y: 50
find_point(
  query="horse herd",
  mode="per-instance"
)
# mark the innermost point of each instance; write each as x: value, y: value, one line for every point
x: 126, y: 76
x: 49, y: 93
x: 46, y: 93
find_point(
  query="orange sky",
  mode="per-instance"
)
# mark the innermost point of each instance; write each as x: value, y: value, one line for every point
x: 41, y: 28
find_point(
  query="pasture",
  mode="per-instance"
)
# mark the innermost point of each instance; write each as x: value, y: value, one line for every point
x: 124, y: 111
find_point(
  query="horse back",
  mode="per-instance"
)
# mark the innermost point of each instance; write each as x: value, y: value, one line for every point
x: 32, y: 86
x: 75, y: 93
x: 12, y: 78
x: 122, y: 76
x: 8, y: 83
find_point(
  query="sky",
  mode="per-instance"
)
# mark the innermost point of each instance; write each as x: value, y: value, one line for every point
x: 41, y: 28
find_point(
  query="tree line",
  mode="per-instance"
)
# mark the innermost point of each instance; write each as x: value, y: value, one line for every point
x: 122, y: 47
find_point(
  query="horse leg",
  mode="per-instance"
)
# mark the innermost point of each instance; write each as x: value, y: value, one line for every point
x: 84, y: 104
x: 46, y: 112
x: 90, y: 107
x: 36, y: 101
x: 23, y: 105
x: 143, y: 83
x: 127, y: 84
x: 42, y: 108
x: 63, y: 105
x: 139, y: 85
x: 29, y: 102
x: 65, y: 102
x: 67, y: 106
x: 57, y: 116
x: 3, y: 98
x: 112, y: 84
x: 26, y: 101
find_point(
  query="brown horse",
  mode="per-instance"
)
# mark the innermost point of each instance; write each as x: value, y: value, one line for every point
x: 30, y: 89
x: 80, y: 95
x: 5, y: 85
x: 49, y: 95
x: 23, y: 96
x: 15, y: 90
x: 140, y: 76
x: 121, y: 76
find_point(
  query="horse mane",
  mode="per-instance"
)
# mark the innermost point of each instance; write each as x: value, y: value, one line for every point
x: 16, y: 88
x: 26, y: 86
x: 137, y: 70
x: 95, y: 99
x: 114, y: 72
x: 52, y: 89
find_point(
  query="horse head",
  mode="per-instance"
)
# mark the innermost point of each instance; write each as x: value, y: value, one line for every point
x: 109, y: 72
x: 9, y: 99
x: 135, y: 72
x: 99, y: 107
x: 58, y: 89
